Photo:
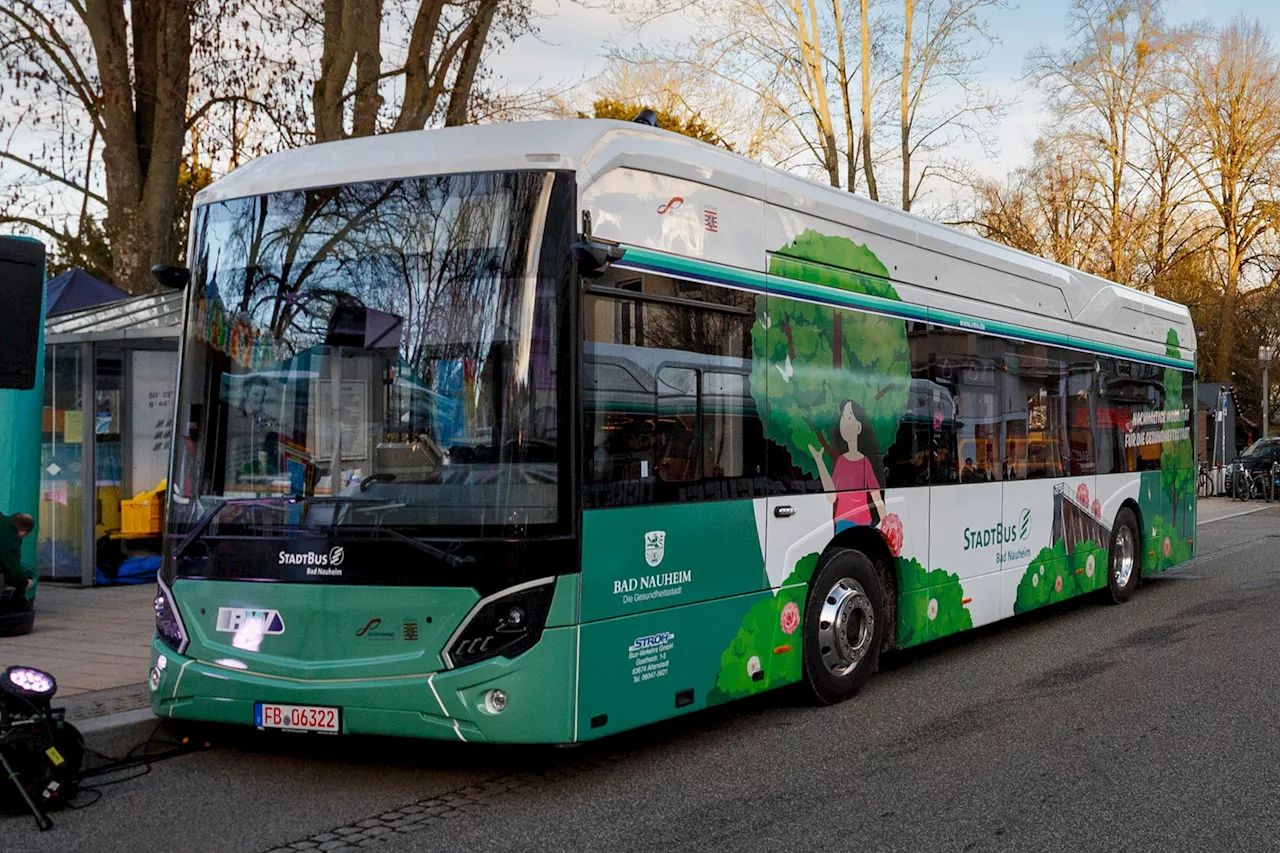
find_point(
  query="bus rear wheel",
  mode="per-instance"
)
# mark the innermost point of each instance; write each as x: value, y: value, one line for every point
x: 1124, y: 560
x: 844, y: 623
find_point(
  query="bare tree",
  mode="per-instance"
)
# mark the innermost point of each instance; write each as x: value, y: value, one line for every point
x: 943, y: 45
x: 1043, y: 208
x: 867, y: 168
x: 367, y: 83
x: 1096, y: 87
x: 1231, y: 94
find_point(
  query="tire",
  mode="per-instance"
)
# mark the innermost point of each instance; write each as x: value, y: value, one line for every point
x: 845, y: 593
x: 1124, y: 558
x: 1239, y: 488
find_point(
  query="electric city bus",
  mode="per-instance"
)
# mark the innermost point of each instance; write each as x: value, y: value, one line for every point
x: 542, y: 432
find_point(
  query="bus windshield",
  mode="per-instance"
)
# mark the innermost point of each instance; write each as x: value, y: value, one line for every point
x: 382, y: 354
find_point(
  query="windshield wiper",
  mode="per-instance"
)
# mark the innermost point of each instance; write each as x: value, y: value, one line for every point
x: 439, y: 553
x: 196, y: 532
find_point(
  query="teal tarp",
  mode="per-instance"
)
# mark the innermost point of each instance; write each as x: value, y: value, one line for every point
x: 20, y: 436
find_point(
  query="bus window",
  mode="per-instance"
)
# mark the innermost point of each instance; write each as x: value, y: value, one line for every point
x: 1125, y: 389
x: 967, y: 366
x: 667, y: 405
x: 1035, y: 413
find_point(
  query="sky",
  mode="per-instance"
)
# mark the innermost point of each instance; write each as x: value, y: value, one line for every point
x: 573, y: 41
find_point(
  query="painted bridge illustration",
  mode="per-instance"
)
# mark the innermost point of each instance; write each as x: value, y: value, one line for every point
x: 1073, y: 523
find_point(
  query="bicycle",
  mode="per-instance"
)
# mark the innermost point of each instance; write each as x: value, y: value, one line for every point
x: 1247, y: 485
x: 1204, y: 482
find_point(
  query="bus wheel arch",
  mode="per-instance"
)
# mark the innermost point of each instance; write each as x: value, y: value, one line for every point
x: 844, y: 624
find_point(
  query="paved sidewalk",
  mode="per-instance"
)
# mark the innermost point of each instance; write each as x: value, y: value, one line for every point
x: 90, y: 639
x: 1219, y: 509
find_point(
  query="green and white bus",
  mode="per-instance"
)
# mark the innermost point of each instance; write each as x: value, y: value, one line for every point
x: 542, y: 432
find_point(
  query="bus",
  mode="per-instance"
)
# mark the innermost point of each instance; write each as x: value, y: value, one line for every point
x: 537, y: 433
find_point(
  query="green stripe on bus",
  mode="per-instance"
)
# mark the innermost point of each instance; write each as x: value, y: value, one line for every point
x: 758, y: 281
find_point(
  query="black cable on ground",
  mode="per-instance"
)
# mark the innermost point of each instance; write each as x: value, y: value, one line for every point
x: 129, y: 761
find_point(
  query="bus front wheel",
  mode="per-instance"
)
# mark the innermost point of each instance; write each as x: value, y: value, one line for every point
x: 844, y: 624
x: 1124, y: 560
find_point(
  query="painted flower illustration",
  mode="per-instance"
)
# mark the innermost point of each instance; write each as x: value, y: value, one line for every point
x: 1082, y: 494
x: 933, y: 609
x: 790, y: 618
x: 891, y: 527
x: 1097, y: 508
x: 1167, y: 546
x: 1089, y: 566
x: 753, y: 666
x: 1057, y: 584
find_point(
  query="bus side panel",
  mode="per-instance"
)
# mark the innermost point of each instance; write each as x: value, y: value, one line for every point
x: 655, y: 557
x: 651, y: 666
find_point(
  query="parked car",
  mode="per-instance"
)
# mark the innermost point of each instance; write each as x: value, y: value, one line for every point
x: 1259, y: 456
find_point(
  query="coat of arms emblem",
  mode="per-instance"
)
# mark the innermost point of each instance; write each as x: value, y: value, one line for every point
x: 655, y: 542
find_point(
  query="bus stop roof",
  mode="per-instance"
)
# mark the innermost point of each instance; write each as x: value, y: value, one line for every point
x: 76, y: 290
x: 157, y: 317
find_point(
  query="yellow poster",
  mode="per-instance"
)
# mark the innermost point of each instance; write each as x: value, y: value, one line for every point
x: 72, y: 426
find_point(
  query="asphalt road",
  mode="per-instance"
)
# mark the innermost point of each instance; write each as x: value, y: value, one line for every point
x: 1151, y: 726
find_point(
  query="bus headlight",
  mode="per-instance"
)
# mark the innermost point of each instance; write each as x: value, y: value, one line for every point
x: 506, y: 623
x: 169, y: 627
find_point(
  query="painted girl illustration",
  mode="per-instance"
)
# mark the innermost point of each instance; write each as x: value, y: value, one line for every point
x: 853, y: 485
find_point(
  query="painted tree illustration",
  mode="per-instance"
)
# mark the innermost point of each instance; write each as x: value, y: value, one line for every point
x: 808, y: 358
x: 1177, y: 479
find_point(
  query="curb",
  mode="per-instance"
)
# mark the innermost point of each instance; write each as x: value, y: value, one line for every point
x: 1249, y: 511
x: 115, y: 735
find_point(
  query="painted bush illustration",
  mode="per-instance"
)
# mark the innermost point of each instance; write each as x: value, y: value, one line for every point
x: 1054, y: 575
x: 763, y: 631
x: 1177, y: 462
x: 807, y: 359
x: 929, y: 604
x: 1163, y: 548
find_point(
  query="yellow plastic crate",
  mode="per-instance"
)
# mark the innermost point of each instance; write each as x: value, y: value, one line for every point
x: 144, y: 513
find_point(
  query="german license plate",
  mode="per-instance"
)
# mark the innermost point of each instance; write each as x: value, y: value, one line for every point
x: 298, y: 718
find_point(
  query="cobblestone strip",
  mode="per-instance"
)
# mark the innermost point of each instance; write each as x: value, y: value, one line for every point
x: 369, y: 832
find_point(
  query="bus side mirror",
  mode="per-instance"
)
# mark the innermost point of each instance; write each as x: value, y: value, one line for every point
x: 174, y: 278
x: 594, y: 256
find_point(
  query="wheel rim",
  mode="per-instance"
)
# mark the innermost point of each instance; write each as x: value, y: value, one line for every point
x: 1124, y: 557
x: 846, y: 626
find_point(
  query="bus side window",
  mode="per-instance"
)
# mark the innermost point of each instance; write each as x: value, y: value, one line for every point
x: 667, y: 406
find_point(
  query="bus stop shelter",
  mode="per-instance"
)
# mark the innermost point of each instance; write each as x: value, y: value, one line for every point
x: 110, y: 380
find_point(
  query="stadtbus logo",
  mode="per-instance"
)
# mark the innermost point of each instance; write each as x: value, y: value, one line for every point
x: 655, y: 545
x: 317, y: 563
x: 1000, y: 534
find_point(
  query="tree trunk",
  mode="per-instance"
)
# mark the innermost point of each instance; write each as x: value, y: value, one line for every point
x: 335, y: 64
x: 1227, y: 325
x: 477, y: 36
x: 368, y: 35
x: 143, y: 118
x: 842, y: 68
x: 908, y: 8
x: 866, y: 105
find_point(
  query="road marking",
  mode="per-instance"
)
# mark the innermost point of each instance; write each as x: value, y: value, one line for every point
x: 1233, y: 515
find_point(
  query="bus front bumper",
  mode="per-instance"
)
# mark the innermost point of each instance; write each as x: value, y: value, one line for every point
x: 540, y: 686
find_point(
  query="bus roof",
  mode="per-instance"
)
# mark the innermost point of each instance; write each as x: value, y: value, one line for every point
x: 594, y: 147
